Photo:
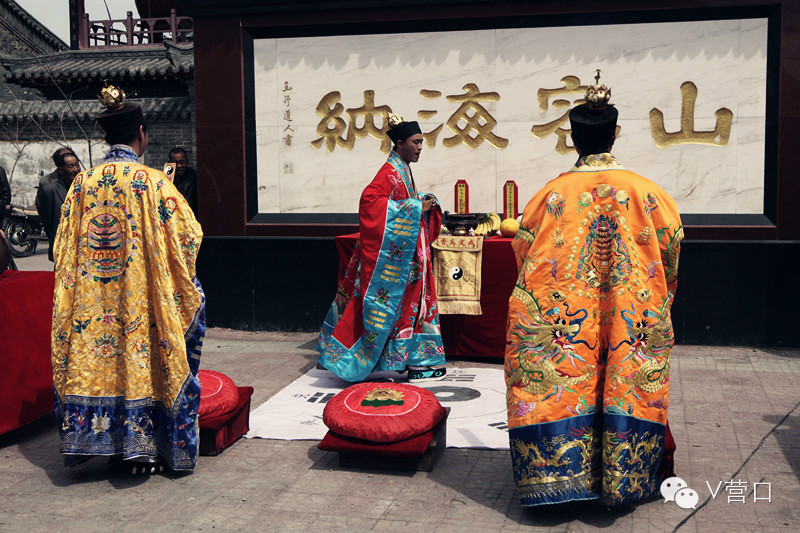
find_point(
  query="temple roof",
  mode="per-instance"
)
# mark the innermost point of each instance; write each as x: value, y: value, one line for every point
x: 112, y: 64
x: 55, y: 110
x: 28, y: 20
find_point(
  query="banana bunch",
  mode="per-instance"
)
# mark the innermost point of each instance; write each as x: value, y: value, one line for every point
x: 488, y: 224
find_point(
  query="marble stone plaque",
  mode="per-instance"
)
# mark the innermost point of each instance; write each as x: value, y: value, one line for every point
x: 493, y: 106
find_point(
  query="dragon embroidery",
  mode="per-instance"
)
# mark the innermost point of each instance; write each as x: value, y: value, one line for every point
x: 543, y: 341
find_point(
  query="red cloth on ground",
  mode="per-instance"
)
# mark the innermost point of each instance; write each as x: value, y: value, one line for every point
x: 471, y: 335
x: 26, y: 372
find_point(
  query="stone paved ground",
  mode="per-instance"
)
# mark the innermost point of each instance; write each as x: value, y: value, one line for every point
x: 733, y: 411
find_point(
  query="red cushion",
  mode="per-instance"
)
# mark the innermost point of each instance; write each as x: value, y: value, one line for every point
x: 218, y: 394
x: 413, y: 447
x: 382, y: 412
x: 214, y: 423
x: 219, y: 432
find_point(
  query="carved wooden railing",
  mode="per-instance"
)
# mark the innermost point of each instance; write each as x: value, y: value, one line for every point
x: 135, y: 31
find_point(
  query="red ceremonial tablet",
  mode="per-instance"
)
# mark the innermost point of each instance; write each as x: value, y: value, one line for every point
x: 382, y: 412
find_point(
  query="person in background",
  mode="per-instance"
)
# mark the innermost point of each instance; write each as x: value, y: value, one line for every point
x: 185, y: 176
x: 50, y: 196
x: 5, y: 194
x: 55, y: 175
x: 6, y: 259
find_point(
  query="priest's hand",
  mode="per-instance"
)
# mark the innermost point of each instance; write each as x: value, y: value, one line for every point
x: 427, y: 204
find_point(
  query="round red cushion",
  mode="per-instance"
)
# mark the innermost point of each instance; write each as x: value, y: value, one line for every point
x: 382, y: 412
x: 218, y: 394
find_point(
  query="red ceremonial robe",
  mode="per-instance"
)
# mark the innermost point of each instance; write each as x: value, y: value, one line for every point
x: 384, y: 316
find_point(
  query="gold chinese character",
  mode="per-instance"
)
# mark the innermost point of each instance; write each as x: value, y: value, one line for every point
x: 687, y: 135
x: 368, y: 111
x: 287, y: 140
x: 286, y: 86
x: 331, y: 127
x: 426, y: 114
x: 287, y: 115
x: 572, y: 85
x: 286, y: 99
x: 480, y: 121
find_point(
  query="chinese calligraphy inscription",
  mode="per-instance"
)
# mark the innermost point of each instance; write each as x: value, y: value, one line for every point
x: 287, y: 114
x: 476, y: 117
x: 687, y: 135
x: 472, y: 123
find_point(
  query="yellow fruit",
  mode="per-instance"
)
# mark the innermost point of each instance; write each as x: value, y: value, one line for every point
x: 509, y: 227
x: 496, y: 221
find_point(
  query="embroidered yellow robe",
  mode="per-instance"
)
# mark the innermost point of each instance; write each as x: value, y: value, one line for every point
x: 128, y: 316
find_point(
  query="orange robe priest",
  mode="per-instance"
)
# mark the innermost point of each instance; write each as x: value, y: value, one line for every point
x: 589, y: 335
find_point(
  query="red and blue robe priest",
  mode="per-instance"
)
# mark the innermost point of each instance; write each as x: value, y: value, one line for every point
x: 385, y: 316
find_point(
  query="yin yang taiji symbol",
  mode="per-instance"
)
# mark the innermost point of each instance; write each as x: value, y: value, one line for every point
x: 456, y: 273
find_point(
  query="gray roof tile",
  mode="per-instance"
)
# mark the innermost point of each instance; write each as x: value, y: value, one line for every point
x: 37, y: 26
x: 123, y: 62
x: 154, y: 109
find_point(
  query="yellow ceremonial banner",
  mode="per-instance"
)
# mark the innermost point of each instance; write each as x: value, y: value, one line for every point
x: 457, y: 268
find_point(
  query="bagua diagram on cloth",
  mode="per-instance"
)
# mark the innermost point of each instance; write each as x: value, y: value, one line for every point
x: 476, y: 396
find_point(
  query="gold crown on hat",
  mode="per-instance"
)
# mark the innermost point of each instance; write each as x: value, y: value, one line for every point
x: 394, y: 120
x: 597, y: 96
x: 113, y: 98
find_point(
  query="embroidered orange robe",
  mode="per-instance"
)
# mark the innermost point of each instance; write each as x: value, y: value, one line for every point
x: 589, y: 335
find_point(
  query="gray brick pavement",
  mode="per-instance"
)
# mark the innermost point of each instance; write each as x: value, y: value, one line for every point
x: 728, y: 413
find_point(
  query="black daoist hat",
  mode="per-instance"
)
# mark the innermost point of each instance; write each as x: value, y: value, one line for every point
x: 120, y: 118
x: 399, y: 129
x: 595, y: 121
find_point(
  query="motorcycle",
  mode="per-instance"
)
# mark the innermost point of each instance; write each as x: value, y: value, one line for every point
x: 23, y: 229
